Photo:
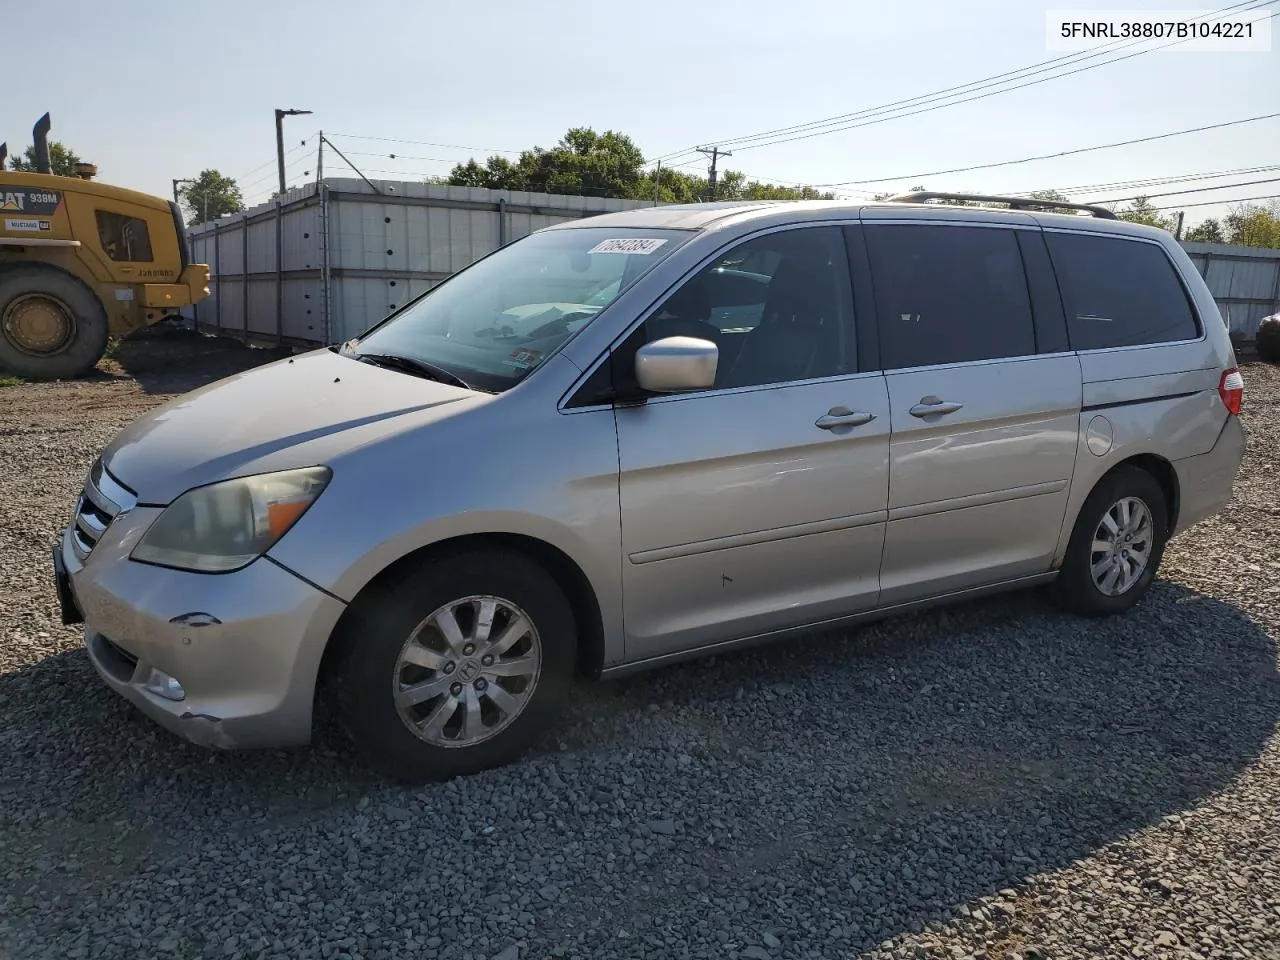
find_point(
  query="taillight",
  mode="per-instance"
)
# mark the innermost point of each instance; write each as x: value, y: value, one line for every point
x: 1231, y: 390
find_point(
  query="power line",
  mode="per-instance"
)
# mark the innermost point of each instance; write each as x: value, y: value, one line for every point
x: 1158, y: 181
x: 398, y: 173
x: 259, y: 193
x: 423, y: 143
x: 291, y: 165
x: 930, y: 109
x: 1051, y: 156
x: 1217, y: 203
x: 1179, y: 193
x: 399, y: 156
x: 1030, y: 70
x: 813, y: 128
x: 272, y: 161
x: 806, y: 131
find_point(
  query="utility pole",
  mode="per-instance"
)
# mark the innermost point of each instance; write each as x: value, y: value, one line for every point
x: 1177, y: 232
x: 715, y: 153
x: 280, y: 115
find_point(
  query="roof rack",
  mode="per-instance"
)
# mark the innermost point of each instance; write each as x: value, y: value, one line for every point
x: 1015, y: 203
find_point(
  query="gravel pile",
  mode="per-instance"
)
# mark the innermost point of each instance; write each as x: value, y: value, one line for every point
x: 996, y: 780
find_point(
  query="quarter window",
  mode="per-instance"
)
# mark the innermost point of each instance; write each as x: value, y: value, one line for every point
x: 778, y: 307
x: 124, y: 238
x: 949, y: 295
x: 1119, y: 293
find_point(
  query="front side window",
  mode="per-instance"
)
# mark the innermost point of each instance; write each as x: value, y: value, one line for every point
x: 124, y: 238
x: 949, y: 294
x: 1119, y: 293
x: 778, y: 307
x: 503, y: 317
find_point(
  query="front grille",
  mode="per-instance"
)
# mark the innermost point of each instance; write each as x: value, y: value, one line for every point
x: 103, y: 499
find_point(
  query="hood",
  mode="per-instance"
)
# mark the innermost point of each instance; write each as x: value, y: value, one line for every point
x: 292, y: 413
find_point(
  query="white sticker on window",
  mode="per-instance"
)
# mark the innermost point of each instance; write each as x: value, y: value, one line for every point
x: 640, y: 246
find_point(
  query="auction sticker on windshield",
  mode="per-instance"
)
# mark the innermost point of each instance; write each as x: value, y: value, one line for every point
x: 523, y: 359
x: 637, y: 245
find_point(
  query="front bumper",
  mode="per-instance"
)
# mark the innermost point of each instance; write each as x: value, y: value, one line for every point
x: 245, y: 646
x: 166, y: 296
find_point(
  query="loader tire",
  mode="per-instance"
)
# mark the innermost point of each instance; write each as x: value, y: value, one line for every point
x: 52, y: 326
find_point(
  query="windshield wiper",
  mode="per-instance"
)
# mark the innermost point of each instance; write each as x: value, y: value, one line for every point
x: 416, y: 367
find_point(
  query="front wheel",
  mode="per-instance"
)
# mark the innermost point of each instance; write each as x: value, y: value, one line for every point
x: 52, y: 327
x: 456, y: 665
x: 1116, y: 545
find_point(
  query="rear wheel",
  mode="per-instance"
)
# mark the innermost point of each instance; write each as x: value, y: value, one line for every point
x: 52, y: 327
x: 456, y: 666
x: 1116, y: 545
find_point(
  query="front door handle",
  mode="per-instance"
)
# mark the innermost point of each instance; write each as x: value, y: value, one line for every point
x: 843, y: 417
x: 933, y: 406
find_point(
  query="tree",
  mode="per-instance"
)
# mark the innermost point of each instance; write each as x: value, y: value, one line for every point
x: 609, y: 164
x: 1142, y: 211
x: 583, y: 163
x: 1254, y: 225
x: 211, y: 196
x: 1207, y: 231
x: 1054, y: 195
x: 885, y: 196
x: 62, y: 159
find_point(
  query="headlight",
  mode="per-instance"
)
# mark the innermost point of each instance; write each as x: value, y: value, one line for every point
x: 228, y: 525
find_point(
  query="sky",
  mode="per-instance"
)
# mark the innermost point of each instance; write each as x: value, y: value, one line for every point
x: 152, y: 90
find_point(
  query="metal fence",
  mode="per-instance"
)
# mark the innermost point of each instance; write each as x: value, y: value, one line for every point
x: 1245, y: 281
x: 328, y: 260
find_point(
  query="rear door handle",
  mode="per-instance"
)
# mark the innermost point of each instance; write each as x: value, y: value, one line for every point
x: 843, y: 417
x: 933, y: 406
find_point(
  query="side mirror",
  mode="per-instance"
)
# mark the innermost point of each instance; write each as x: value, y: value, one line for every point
x: 676, y: 364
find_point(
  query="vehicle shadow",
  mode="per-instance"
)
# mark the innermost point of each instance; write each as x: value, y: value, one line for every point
x: 169, y: 358
x: 890, y: 774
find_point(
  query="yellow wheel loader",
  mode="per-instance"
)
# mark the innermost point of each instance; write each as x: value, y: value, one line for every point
x: 81, y: 260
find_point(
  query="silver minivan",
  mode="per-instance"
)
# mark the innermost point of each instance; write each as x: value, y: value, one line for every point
x: 651, y: 435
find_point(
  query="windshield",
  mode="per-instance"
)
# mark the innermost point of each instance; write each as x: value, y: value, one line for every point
x: 504, y: 316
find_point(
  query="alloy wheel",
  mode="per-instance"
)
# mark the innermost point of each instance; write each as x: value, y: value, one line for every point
x: 1121, y: 549
x: 467, y: 671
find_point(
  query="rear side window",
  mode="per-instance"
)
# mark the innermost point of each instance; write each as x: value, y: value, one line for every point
x: 949, y: 294
x: 124, y: 238
x: 1119, y: 293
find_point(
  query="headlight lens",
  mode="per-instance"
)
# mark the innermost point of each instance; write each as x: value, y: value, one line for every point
x: 228, y: 525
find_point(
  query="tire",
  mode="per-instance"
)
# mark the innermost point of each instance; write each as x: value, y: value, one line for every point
x: 379, y: 634
x: 1076, y: 588
x: 60, y: 299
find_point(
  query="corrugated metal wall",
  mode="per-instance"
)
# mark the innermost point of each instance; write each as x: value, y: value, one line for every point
x: 384, y: 249
x: 1245, y: 281
x: 387, y: 248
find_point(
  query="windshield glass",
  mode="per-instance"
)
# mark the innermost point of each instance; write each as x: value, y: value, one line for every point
x: 503, y: 317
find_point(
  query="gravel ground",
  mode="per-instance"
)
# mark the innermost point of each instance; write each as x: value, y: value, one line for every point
x: 996, y: 780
